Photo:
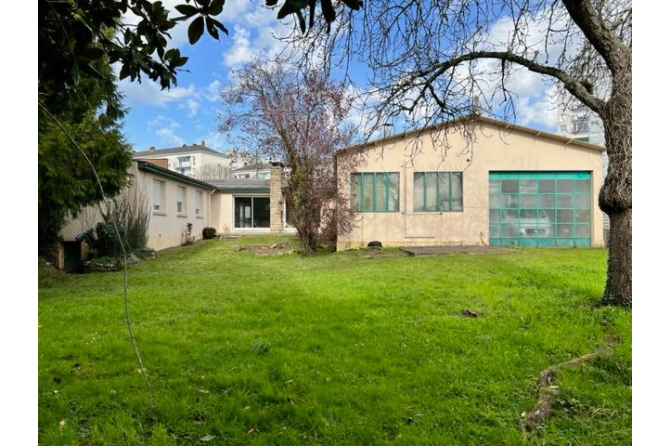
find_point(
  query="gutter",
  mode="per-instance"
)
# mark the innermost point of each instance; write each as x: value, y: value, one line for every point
x: 149, y: 167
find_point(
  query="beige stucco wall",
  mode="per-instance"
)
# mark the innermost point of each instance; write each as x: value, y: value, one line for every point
x: 494, y: 149
x: 165, y: 228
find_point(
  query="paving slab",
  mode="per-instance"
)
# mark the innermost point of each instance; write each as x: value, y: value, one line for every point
x: 434, y: 250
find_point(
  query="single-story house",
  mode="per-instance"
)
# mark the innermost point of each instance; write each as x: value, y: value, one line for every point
x: 174, y: 200
x: 485, y: 182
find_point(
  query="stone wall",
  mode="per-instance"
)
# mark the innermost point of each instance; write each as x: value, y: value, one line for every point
x: 276, y: 199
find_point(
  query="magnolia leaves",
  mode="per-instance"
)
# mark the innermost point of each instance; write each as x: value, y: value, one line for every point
x: 206, y: 10
x: 296, y: 6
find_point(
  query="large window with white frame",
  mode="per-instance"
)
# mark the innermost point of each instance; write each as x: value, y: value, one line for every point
x: 158, y: 197
x: 181, y: 200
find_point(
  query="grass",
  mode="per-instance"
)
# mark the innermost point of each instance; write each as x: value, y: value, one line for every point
x: 364, y: 347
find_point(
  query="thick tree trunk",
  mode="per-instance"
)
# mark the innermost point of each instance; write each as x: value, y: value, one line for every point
x: 616, y: 195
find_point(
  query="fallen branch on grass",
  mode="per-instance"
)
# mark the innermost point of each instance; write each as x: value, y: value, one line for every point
x: 548, y: 391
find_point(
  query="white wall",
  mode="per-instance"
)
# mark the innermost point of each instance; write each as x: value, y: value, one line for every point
x: 166, y: 228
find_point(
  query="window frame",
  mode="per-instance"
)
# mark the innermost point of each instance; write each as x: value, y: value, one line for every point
x: 450, y: 175
x: 359, y: 207
x: 199, y: 204
x: 161, y: 205
x: 182, y: 212
x: 252, y: 210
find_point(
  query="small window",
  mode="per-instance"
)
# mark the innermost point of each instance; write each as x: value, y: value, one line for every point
x: 198, y: 203
x: 181, y: 200
x: 580, y: 125
x: 438, y: 191
x: 159, y: 196
x: 375, y: 191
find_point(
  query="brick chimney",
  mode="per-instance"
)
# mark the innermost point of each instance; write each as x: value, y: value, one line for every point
x: 276, y: 198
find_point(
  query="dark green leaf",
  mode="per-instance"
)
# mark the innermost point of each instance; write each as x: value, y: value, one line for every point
x: 301, y: 20
x: 215, y: 7
x: 328, y: 11
x: 124, y: 72
x: 354, y: 4
x: 195, y: 29
x: 211, y: 29
x: 187, y: 10
x: 219, y: 25
x: 290, y: 7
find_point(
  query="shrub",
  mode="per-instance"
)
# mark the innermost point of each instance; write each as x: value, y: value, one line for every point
x: 130, y: 212
x: 208, y: 233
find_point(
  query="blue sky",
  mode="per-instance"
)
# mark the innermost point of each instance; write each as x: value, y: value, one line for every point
x: 187, y: 113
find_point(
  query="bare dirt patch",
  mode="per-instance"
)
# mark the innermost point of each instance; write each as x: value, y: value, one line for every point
x: 266, y: 250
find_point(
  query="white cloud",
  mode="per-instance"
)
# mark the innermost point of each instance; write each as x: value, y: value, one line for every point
x: 240, y: 52
x: 215, y: 140
x: 149, y: 93
x: 213, y: 91
x: 165, y: 128
x: 169, y: 137
x: 192, y: 106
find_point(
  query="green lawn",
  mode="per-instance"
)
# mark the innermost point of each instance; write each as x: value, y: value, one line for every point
x: 359, y: 348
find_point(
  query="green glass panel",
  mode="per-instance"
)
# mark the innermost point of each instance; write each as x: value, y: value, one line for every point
x: 494, y: 186
x: 582, y: 201
x: 494, y: 202
x: 564, y: 231
x: 380, y: 192
x: 510, y: 186
x: 528, y: 201
x: 368, y: 192
x: 510, y: 200
x: 565, y: 201
x: 582, y: 230
x: 443, y: 190
x: 565, y: 216
x: 456, y: 189
x: 494, y: 216
x: 528, y: 186
x: 431, y: 191
x: 510, y: 231
x: 393, y: 192
x: 565, y: 186
x: 356, y: 191
x: 418, y: 192
x: 547, y: 201
x: 547, y: 186
x: 494, y: 231
x: 582, y: 216
x: 582, y: 186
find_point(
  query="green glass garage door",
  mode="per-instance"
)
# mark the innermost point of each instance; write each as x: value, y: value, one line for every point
x: 540, y: 208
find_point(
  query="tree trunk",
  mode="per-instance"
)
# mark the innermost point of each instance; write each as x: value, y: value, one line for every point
x: 616, y: 195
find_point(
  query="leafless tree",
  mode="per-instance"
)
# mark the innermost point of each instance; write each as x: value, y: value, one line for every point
x: 298, y: 119
x: 436, y: 60
x: 211, y: 171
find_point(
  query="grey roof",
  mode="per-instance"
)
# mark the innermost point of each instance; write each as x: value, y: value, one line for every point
x: 151, y: 167
x: 178, y: 150
x: 254, y: 167
x: 241, y: 184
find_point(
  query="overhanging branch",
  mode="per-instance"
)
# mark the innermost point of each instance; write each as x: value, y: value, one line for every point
x: 571, y: 84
